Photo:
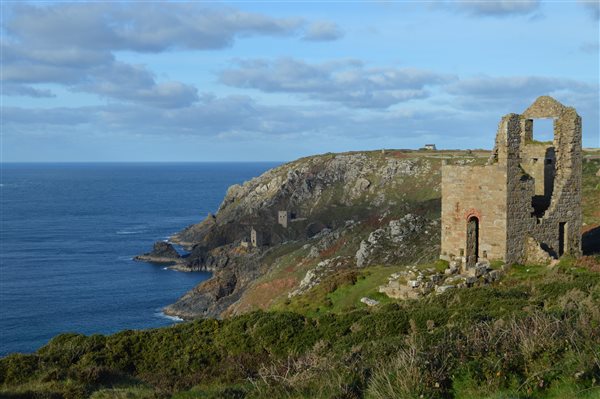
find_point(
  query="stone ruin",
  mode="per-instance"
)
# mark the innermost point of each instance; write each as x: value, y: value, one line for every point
x: 413, y: 282
x: 256, y: 239
x: 524, y: 205
x: 262, y: 233
x: 283, y: 217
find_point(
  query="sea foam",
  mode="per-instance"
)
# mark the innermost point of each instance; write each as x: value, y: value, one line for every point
x: 166, y: 316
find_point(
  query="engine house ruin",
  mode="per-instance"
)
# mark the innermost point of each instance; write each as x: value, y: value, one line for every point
x: 524, y: 205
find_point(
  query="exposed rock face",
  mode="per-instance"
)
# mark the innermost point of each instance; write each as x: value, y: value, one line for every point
x: 206, y: 298
x: 343, y: 211
x: 397, y: 240
x: 162, y: 252
x: 316, y: 275
x: 308, y: 187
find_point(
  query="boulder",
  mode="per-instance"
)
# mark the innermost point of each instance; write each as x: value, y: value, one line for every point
x: 369, y: 301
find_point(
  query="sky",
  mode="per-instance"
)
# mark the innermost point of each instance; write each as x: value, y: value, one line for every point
x: 277, y: 80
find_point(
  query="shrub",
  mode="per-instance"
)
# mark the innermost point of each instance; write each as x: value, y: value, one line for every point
x: 17, y: 368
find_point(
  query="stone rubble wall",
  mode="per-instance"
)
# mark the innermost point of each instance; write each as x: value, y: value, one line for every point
x: 565, y: 205
x: 520, y: 190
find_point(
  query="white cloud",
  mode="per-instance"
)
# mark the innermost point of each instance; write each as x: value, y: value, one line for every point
x: 500, y: 7
x: 74, y: 44
x: 141, y: 27
x: 323, y: 31
x: 490, y: 8
x: 524, y: 88
x: 11, y: 89
x: 345, y: 82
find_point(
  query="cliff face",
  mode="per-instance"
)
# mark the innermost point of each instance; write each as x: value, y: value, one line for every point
x: 359, y: 208
x: 319, y: 191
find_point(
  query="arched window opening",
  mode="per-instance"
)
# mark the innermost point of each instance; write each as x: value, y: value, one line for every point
x: 472, y: 241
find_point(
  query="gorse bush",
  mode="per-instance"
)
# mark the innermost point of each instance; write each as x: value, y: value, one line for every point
x: 521, y: 338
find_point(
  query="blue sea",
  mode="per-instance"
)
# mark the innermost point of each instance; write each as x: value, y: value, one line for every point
x: 68, y: 235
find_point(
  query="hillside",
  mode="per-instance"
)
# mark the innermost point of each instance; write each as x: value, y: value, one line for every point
x: 291, y: 323
x: 535, y: 334
x: 348, y: 211
x: 337, y: 201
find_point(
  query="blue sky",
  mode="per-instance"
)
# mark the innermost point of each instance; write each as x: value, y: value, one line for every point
x: 248, y: 81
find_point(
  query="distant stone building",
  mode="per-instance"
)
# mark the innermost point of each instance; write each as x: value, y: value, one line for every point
x: 255, y: 238
x: 525, y: 203
x: 429, y: 147
x: 283, y: 218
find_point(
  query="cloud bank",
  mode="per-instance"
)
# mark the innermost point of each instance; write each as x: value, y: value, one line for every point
x: 346, y: 82
x: 74, y: 45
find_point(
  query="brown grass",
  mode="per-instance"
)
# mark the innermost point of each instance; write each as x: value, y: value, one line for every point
x: 591, y: 263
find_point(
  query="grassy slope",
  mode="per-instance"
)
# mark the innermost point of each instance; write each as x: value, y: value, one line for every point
x: 534, y: 334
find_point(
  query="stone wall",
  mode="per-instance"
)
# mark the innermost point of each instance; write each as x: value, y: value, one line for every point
x: 565, y: 203
x: 527, y: 198
x: 474, y: 191
x: 520, y: 191
x: 282, y: 218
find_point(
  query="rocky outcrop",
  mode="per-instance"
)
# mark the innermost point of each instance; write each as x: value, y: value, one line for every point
x: 314, y: 276
x: 162, y: 252
x: 206, y: 299
x: 214, y: 296
x: 397, y: 241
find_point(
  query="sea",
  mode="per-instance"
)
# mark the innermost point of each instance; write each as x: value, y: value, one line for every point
x: 69, y: 232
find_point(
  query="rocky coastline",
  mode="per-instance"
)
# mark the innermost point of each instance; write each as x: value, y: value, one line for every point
x: 360, y: 198
x: 280, y: 234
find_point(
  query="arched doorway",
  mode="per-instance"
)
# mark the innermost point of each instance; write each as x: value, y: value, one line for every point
x: 472, y: 241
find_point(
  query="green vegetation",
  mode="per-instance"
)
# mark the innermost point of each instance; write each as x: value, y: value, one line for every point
x: 534, y: 334
x: 591, y: 192
x: 539, y: 142
x: 340, y: 292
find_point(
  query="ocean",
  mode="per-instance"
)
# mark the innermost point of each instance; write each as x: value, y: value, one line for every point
x: 68, y: 234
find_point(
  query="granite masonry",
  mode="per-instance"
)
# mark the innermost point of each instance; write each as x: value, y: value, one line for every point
x: 524, y: 205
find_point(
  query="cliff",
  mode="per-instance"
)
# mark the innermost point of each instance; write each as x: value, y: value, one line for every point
x: 342, y: 212
x: 362, y: 208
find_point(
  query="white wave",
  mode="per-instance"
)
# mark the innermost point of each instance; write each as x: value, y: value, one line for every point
x: 166, y: 316
x: 123, y: 232
x: 165, y: 268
